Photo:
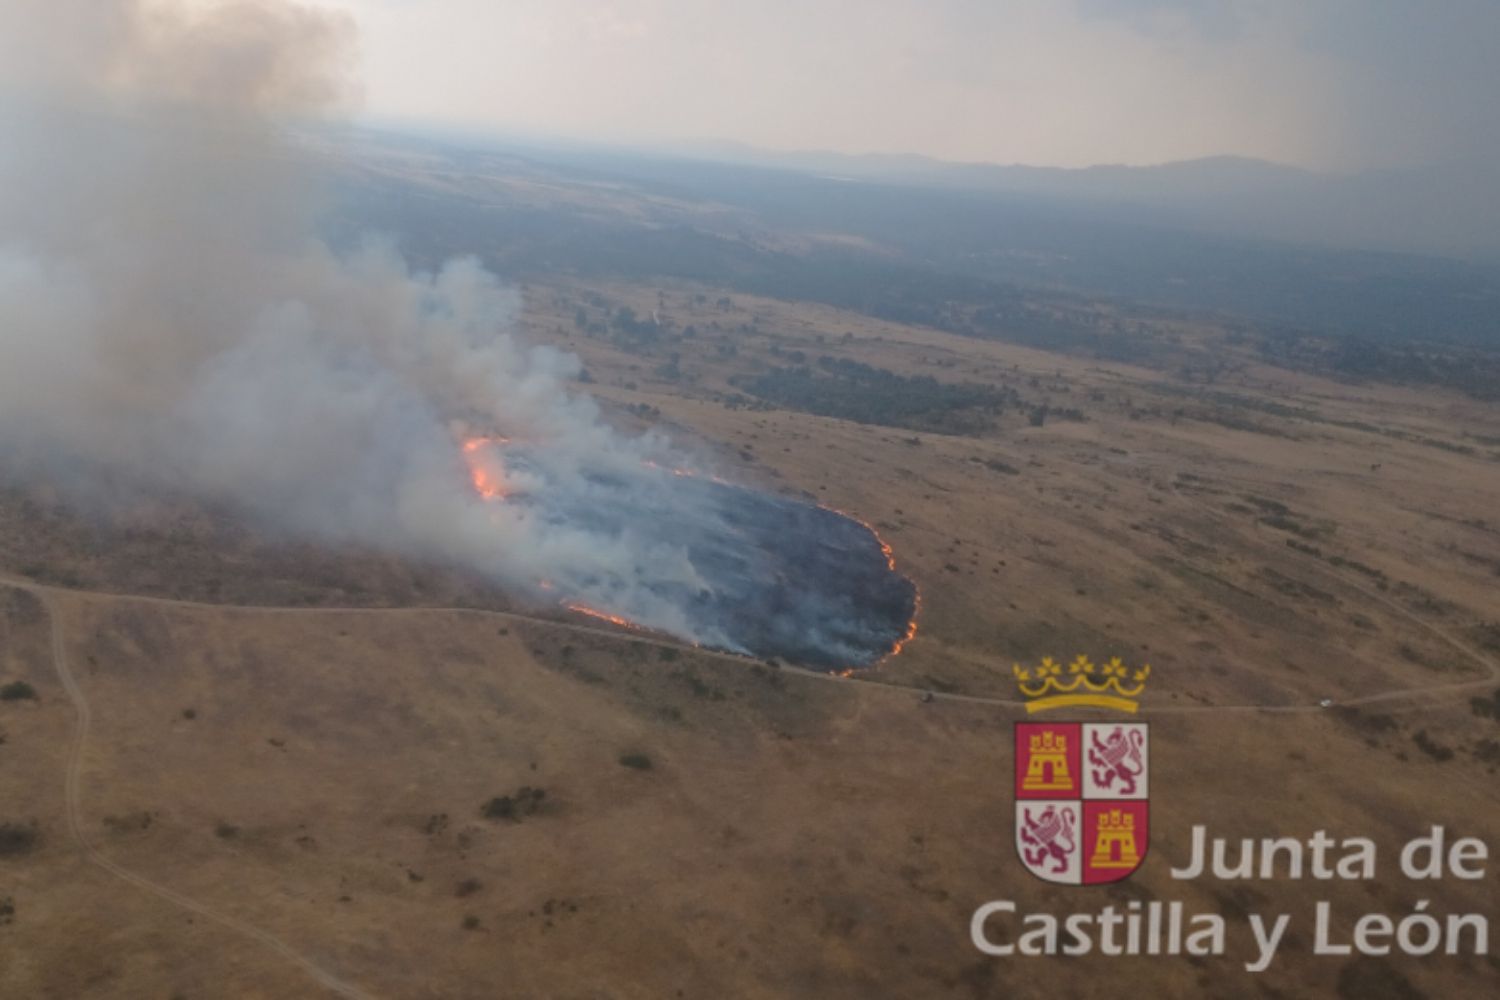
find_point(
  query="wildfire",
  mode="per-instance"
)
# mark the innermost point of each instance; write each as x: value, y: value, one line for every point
x: 485, y: 461
x: 885, y: 547
x: 679, y: 472
x: 890, y: 561
x: 485, y: 470
x: 911, y: 626
x: 604, y: 616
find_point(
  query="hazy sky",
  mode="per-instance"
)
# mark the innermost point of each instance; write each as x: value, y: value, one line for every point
x: 1324, y: 83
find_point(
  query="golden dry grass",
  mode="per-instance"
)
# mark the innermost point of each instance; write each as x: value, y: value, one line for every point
x: 794, y: 836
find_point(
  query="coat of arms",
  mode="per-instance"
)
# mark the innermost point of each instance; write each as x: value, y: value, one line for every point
x: 1082, y: 787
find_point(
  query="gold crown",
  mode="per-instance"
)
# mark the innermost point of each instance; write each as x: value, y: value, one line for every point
x: 1103, y: 685
x: 1116, y: 821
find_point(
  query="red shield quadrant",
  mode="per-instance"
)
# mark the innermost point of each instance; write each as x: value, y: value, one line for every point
x: 1081, y: 799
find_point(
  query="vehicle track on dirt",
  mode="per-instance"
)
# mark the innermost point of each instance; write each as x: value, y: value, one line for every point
x: 72, y: 797
x: 1489, y: 664
x: 1414, y: 698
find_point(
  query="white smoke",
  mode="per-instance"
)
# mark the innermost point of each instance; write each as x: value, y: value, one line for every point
x: 170, y: 320
x: 168, y: 315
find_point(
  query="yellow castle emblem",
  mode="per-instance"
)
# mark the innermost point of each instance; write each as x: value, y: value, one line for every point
x: 1105, y: 685
x: 1047, y: 769
x: 1114, y: 841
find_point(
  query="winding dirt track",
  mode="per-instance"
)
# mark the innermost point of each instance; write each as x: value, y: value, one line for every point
x: 318, y: 973
x: 1416, y: 697
x: 1397, y: 698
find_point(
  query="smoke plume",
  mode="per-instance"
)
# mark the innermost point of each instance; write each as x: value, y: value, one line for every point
x: 168, y: 315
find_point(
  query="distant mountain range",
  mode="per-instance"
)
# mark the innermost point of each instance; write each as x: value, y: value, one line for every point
x: 1450, y: 210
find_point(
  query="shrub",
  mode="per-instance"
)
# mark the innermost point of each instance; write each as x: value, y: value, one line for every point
x: 638, y: 761
x: 1435, y: 750
x: 1486, y: 708
x: 524, y: 802
x: 16, y: 691
x: 17, y: 838
x: 500, y: 807
x: 699, y: 688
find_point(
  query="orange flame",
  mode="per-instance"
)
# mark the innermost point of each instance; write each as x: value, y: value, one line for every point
x: 485, y: 468
x: 890, y: 561
x: 604, y: 616
x: 487, y: 484
x: 911, y: 626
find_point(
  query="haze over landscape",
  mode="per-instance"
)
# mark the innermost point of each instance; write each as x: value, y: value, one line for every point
x: 1393, y: 99
x: 554, y: 499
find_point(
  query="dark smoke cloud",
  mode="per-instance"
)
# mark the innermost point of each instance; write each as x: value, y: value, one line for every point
x: 168, y: 317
